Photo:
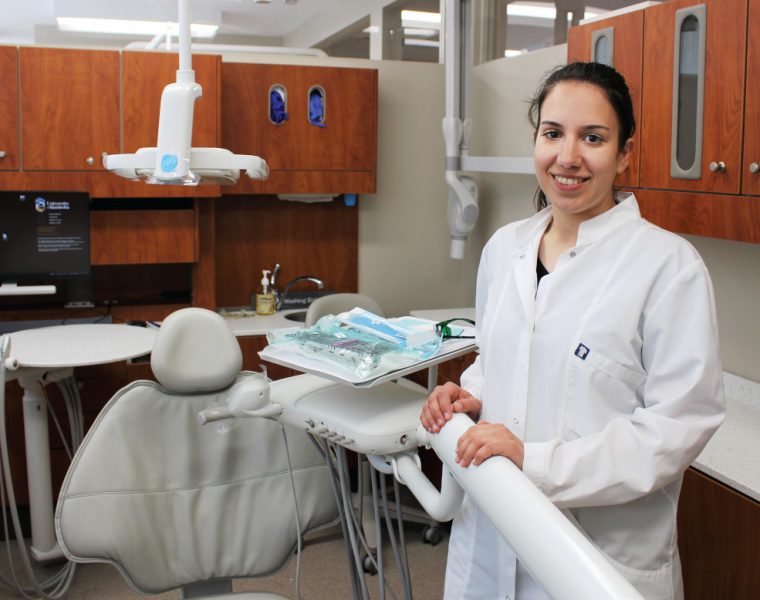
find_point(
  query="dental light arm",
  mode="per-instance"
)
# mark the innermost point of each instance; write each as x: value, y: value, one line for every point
x: 556, y: 553
x: 174, y: 161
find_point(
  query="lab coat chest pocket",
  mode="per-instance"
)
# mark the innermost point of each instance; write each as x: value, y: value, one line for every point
x: 599, y: 390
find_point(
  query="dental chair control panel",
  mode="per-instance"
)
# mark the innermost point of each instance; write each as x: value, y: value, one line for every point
x: 378, y: 420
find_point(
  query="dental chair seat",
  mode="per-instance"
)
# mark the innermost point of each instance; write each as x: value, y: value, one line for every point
x: 171, y: 503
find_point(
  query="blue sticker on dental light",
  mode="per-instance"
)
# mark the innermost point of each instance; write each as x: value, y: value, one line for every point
x: 169, y: 162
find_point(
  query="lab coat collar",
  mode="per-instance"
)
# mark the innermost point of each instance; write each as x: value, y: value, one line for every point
x: 626, y: 209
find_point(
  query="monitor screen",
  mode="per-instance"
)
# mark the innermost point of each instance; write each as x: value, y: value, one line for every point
x: 44, y: 236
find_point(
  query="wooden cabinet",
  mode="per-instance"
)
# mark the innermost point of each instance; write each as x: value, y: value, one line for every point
x: 9, y: 155
x: 303, y: 157
x: 724, y: 76
x: 127, y: 237
x: 69, y: 103
x: 718, y: 529
x: 750, y: 179
x: 626, y: 32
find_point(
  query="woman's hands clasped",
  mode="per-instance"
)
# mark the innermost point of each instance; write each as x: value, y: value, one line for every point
x: 477, y: 443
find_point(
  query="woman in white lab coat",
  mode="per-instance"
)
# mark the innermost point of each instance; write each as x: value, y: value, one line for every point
x: 598, y: 372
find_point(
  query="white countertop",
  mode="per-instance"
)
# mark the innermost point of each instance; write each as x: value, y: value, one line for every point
x: 442, y: 314
x: 259, y: 325
x: 732, y: 456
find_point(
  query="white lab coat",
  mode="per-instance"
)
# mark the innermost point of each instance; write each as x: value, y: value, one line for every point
x: 610, y: 374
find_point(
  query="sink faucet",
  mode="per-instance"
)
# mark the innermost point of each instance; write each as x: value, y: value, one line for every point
x: 281, y: 297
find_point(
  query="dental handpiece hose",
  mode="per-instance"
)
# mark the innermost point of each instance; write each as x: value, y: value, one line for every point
x: 553, y: 550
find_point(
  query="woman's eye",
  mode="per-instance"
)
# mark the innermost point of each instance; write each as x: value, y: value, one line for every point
x: 552, y: 134
x: 593, y: 138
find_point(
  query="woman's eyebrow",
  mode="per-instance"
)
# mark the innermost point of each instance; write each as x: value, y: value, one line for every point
x: 587, y: 127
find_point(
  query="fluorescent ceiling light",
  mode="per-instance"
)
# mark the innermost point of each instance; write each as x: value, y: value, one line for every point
x: 418, y: 42
x: 511, y: 53
x: 545, y: 10
x: 417, y: 18
x: 131, y: 27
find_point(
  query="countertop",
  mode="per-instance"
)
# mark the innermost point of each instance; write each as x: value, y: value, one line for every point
x: 732, y: 456
x: 258, y: 324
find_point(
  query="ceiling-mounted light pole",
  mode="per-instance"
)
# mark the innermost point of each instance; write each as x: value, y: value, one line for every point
x: 174, y: 160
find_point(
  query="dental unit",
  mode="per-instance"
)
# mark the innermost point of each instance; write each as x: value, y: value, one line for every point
x: 383, y: 423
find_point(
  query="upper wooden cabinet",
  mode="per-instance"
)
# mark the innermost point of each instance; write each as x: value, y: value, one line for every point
x: 144, y: 76
x: 750, y: 166
x: 693, y: 109
x: 69, y: 103
x: 617, y: 41
x: 9, y: 155
x: 339, y: 156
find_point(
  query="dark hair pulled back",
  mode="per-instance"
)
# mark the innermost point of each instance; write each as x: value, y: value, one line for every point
x: 605, y: 78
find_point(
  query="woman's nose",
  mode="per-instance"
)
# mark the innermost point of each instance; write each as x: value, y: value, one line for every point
x: 568, y: 155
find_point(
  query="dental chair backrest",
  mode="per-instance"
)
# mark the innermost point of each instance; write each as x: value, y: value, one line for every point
x: 171, y: 503
x: 334, y: 304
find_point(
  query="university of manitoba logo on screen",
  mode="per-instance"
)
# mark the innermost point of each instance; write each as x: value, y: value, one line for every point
x: 40, y: 205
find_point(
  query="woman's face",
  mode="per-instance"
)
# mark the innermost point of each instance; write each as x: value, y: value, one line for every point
x: 576, y: 151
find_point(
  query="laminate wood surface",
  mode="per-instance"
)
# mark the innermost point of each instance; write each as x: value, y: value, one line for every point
x: 711, y: 215
x: 69, y: 108
x: 718, y: 530
x: 723, y: 97
x: 751, y: 181
x: 627, y: 59
x: 254, y: 233
x: 9, y: 108
x: 204, y: 268
x: 123, y: 237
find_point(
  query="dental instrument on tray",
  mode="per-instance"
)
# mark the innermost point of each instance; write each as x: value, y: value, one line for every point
x: 382, y: 422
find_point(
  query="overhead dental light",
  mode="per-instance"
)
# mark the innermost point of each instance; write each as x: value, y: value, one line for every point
x: 174, y: 161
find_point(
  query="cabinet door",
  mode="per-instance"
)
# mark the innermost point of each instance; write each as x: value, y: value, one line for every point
x: 69, y: 108
x: 8, y: 109
x: 144, y: 76
x: 751, y: 163
x: 623, y: 39
x: 666, y: 148
x: 301, y: 155
x: 718, y: 529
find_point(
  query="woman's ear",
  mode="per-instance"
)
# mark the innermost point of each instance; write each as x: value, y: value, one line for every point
x: 624, y: 157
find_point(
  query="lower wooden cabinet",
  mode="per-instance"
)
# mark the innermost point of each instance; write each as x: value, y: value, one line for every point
x: 718, y: 532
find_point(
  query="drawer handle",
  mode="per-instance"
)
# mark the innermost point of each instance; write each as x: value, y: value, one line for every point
x: 754, y: 168
x: 718, y: 167
x: 90, y: 160
x: 2, y: 153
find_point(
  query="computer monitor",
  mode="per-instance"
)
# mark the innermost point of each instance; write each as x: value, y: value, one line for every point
x: 44, y: 238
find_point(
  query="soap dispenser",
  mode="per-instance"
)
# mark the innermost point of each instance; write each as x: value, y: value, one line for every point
x: 265, y: 301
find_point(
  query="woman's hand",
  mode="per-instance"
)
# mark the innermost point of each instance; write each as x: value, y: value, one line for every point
x: 443, y: 402
x: 488, y: 439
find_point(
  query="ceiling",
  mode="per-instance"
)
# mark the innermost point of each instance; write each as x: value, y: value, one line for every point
x: 241, y: 21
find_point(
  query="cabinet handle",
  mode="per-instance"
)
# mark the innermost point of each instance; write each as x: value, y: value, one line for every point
x: 90, y: 160
x: 718, y: 167
x: 2, y: 153
x: 754, y: 168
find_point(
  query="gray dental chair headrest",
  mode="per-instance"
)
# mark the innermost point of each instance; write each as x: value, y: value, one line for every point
x: 195, y: 351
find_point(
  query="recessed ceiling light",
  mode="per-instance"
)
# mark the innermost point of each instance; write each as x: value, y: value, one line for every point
x: 418, y: 42
x: 131, y: 27
x: 417, y: 18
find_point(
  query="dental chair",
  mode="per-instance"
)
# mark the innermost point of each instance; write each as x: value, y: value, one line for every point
x: 171, y: 503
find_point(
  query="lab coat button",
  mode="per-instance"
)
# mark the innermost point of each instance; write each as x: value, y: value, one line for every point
x: 515, y: 420
x: 572, y: 255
